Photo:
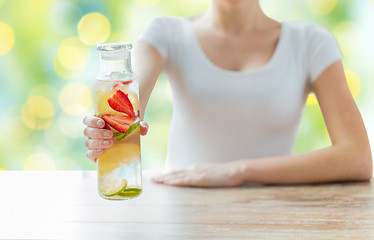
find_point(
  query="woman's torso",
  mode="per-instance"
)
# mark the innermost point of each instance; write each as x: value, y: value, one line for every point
x: 223, y: 115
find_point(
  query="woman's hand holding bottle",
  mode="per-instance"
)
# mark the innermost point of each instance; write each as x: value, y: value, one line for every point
x: 98, y: 138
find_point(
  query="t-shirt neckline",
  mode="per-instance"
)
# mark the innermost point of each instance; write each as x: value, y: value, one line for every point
x: 264, y: 67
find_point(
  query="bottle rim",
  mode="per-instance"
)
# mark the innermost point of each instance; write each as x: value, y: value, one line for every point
x: 114, y: 46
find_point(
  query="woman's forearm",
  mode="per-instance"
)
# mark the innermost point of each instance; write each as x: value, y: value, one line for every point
x: 147, y: 63
x: 335, y: 163
x: 341, y: 162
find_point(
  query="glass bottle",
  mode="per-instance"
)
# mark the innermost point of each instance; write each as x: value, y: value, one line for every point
x: 116, y: 101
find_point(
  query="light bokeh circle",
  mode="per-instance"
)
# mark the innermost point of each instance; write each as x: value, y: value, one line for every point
x: 169, y: 92
x: 71, y: 126
x: 354, y: 82
x: 75, y: 99
x: 40, y: 107
x: 15, y: 129
x: 6, y: 38
x: 354, y: 85
x: 93, y: 28
x: 39, y: 161
x: 56, y: 139
x: 37, y: 113
x: 71, y: 58
x: 311, y: 100
x: 349, y: 36
x: 44, y: 90
x: 321, y: 7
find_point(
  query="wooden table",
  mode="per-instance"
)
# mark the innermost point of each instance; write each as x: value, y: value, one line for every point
x: 65, y: 205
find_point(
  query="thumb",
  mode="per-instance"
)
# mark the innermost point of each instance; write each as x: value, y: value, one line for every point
x: 143, y: 128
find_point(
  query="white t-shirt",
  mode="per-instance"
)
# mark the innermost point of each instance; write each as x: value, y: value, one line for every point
x: 221, y: 115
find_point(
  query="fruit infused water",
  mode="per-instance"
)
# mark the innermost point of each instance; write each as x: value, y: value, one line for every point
x: 116, y: 100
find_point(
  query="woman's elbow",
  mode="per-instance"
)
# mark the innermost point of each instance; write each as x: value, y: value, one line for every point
x: 367, y: 172
x: 356, y: 164
x: 364, y: 164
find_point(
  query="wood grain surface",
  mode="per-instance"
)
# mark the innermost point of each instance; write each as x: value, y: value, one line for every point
x: 65, y: 205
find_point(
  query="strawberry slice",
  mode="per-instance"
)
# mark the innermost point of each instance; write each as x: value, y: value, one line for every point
x: 106, y: 126
x: 119, y: 83
x: 119, y: 122
x: 120, y: 102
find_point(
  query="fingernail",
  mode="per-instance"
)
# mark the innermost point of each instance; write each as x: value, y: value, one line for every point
x: 143, y: 124
x: 107, y: 134
x: 99, y: 150
x: 106, y: 142
x: 100, y: 123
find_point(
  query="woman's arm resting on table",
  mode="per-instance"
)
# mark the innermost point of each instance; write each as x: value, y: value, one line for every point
x: 348, y: 158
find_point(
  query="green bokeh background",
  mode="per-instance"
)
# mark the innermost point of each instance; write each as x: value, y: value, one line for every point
x: 40, y: 26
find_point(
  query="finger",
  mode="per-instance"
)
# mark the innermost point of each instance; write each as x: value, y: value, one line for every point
x: 97, y: 133
x: 156, y: 180
x: 97, y: 144
x: 143, y: 128
x: 167, y: 176
x: 178, y: 181
x: 93, y: 154
x: 163, y: 176
x: 94, y: 122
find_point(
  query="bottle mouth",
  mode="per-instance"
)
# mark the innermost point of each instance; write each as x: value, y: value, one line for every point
x: 116, y: 46
x: 114, y: 51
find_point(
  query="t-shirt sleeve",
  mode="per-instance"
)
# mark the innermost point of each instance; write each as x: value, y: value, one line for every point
x: 323, y: 50
x: 155, y: 35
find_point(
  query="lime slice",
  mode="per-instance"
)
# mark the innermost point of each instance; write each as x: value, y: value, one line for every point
x: 130, y: 130
x: 111, y: 184
x: 130, y: 192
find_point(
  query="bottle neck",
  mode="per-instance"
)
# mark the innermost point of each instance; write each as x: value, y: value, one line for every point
x: 112, y: 68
